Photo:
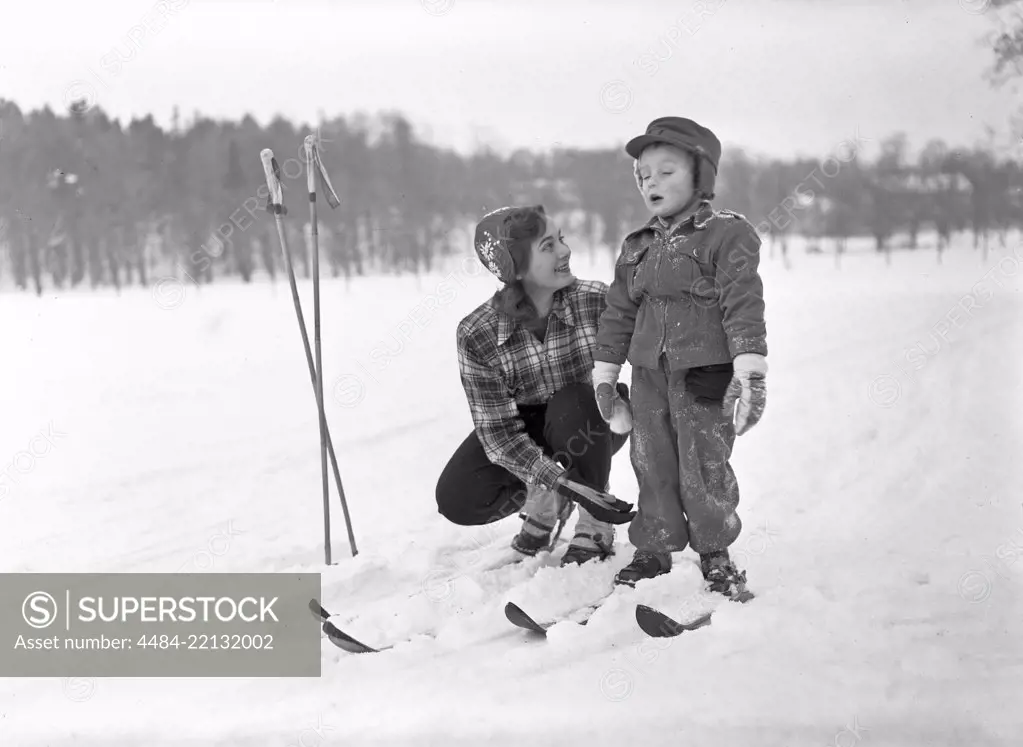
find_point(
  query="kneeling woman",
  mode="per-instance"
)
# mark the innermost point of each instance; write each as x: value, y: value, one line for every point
x: 525, y: 356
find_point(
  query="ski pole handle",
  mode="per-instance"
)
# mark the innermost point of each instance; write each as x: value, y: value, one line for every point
x: 310, y: 165
x: 314, y: 169
x: 273, y: 182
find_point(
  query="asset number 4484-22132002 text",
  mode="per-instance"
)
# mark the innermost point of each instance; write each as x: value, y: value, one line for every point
x: 203, y: 641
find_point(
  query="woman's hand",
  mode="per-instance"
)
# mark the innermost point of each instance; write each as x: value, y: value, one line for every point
x: 602, y: 506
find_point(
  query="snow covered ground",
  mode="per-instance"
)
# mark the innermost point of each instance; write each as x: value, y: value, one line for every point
x: 880, y: 495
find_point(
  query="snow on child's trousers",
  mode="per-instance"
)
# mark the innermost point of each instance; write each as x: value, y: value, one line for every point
x: 681, y: 444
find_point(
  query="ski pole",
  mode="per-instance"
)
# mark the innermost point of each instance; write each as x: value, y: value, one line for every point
x: 316, y: 335
x: 276, y: 204
x: 314, y: 171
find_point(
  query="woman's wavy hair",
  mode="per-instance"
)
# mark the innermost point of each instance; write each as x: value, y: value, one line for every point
x: 520, y: 228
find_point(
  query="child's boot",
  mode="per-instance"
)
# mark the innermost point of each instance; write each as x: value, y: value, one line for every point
x: 593, y: 539
x: 722, y: 575
x: 645, y: 564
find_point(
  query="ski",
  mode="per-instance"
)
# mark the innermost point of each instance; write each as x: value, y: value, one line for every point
x: 517, y: 616
x: 659, y: 625
x: 337, y: 636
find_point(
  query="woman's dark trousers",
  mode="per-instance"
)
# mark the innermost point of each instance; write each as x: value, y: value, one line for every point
x: 472, y: 490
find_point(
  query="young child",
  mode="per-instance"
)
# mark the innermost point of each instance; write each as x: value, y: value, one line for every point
x: 686, y: 309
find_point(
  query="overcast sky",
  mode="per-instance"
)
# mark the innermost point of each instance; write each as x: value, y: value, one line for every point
x: 778, y: 77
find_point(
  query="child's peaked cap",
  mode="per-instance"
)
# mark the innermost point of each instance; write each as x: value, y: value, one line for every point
x: 685, y: 134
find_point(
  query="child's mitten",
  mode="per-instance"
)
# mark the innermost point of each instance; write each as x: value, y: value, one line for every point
x: 613, y: 409
x: 747, y: 392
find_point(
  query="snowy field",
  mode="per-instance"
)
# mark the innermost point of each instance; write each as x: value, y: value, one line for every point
x: 880, y: 495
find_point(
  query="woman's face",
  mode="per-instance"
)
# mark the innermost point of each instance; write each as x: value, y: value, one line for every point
x: 667, y: 179
x: 549, y: 261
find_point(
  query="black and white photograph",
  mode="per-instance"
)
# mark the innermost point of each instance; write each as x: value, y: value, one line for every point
x: 504, y: 372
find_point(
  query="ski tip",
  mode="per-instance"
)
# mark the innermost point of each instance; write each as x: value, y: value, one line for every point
x: 517, y: 616
x: 344, y: 641
x: 317, y: 610
x: 658, y: 625
x: 655, y: 623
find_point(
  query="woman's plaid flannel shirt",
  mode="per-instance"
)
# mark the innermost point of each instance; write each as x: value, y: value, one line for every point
x: 503, y: 365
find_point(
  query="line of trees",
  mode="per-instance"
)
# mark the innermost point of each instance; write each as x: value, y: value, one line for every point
x: 84, y: 200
